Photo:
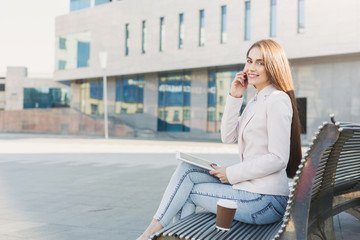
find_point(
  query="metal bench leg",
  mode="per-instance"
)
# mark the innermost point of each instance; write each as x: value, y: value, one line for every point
x: 324, y: 231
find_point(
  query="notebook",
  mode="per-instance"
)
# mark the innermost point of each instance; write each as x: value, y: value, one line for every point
x: 195, y: 160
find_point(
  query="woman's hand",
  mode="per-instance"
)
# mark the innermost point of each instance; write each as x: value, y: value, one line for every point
x: 220, y: 173
x: 239, y: 85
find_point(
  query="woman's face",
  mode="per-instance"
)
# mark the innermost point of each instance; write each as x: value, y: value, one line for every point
x: 255, y: 69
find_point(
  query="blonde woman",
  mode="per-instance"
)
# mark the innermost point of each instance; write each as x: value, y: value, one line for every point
x: 268, y: 136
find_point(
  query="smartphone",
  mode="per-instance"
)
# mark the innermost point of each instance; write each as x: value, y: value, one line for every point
x: 246, y: 78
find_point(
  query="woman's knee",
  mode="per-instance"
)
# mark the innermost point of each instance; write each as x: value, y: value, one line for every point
x: 184, y: 167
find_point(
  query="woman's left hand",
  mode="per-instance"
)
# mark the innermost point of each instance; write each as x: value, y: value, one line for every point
x: 220, y: 173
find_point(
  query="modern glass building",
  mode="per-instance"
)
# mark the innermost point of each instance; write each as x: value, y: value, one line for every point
x: 171, y: 63
x: 19, y: 92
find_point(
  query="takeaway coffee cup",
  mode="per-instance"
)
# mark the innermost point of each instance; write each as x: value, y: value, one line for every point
x: 225, y: 214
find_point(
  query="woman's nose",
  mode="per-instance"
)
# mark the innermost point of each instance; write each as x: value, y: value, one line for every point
x: 251, y: 66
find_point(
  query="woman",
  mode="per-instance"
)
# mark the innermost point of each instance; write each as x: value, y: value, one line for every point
x: 268, y: 136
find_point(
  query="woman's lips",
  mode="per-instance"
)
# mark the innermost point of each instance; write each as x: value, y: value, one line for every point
x: 251, y: 75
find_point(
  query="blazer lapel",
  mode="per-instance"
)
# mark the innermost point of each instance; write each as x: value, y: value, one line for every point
x: 260, y: 98
x: 248, y: 117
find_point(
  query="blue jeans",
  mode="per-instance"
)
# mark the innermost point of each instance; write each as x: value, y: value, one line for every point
x: 191, y: 186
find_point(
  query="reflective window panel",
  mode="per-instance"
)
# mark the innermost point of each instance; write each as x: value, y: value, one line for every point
x: 73, y: 51
x: 46, y: 97
x: 79, y: 4
x: 273, y: 18
x: 143, y: 38
x: 223, y: 25
x: 98, y: 2
x: 202, y: 28
x: 301, y: 16
x: 162, y: 34
x: 219, y: 83
x: 174, y: 102
x: 91, y: 94
x: 181, y: 30
x: 83, y: 54
x: 247, y: 20
x: 129, y: 95
x: 127, y: 36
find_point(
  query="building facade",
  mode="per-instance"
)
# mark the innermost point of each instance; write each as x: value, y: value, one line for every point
x: 171, y: 63
x: 18, y: 91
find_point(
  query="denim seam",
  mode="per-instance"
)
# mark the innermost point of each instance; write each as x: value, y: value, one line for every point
x: 224, y: 197
x: 281, y: 204
x: 177, y: 188
x: 270, y: 206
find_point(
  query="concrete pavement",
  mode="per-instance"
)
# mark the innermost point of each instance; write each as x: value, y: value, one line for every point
x: 59, y: 188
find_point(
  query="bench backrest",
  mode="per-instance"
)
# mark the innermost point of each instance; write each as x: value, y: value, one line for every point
x: 348, y: 168
x: 330, y: 167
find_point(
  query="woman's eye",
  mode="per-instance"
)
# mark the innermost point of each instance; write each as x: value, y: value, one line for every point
x: 248, y: 61
x: 260, y: 63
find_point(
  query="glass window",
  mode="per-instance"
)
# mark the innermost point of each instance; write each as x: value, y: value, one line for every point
x: 91, y: 94
x: 61, y: 65
x: 98, y: 2
x: 223, y: 25
x: 219, y: 83
x: 221, y: 100
x: 94, y: 109
x: 273, y: 18
x: 2, y: 87
x: 79, y: 4
x: 127, y: 36
x: 73, y: 51
x: 143, y: 38
x: 174, y: 102
x: 129, y: 95
x: 181, y: 30
x: 301, y: 16
x: 202, y: 29
x: 247, y: 20
x: 83, y: 54
x: 176, y: 116
x: 96, y: 90
x: 62, y: 43
x: 162, y: 34
x: 46, y: 97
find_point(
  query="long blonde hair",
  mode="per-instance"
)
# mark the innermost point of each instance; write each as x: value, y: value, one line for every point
x: 278, y: 72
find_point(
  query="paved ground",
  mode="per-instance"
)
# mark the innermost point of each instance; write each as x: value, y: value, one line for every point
x: 59, y: 188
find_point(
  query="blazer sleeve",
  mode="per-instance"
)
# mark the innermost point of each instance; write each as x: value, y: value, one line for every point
x: 230, y: 120
x: 279, y: 118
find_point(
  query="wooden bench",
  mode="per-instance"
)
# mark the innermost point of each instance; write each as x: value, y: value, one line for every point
x: 326, y: 183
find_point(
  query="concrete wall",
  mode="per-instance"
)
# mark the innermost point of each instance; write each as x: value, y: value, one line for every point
x: 331, y: 85
x: 15, y: 78
x: 59, y: 121
x: 75, y: 95
x: 151, y: 84
x: 199, y: 101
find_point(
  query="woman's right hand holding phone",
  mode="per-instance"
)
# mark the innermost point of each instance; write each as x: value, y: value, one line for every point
x: 239, y: 85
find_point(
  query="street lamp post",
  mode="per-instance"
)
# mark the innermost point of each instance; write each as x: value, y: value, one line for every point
x: 103, y: 63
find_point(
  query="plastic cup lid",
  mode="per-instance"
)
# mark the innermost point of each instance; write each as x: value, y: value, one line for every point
x: 227, y: 203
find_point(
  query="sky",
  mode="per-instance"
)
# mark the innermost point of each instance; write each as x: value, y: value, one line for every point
x: 27, y: 34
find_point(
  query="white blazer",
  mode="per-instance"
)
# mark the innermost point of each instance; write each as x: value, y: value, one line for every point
x: 263, y: 136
